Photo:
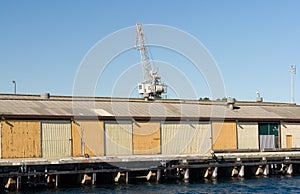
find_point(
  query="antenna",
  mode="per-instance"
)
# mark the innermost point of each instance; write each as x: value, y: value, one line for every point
x: 293, y: 73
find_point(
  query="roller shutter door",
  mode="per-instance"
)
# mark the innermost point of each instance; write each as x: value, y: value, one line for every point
x: 56, y: 139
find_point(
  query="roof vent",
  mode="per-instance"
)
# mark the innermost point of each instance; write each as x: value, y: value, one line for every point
x: 45, y: 96
x: 231, y: 102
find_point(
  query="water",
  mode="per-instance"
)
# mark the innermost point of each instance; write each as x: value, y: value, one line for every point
x: 278, y: 184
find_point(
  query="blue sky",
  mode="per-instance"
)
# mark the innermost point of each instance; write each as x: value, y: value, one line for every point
x: 43, y: 42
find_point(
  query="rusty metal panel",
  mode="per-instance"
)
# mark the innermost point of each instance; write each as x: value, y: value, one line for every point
x: 248, y: 135
x: 91, y: 135
x: 56, y: 139
x: 118, y: 139
x: 146, y: 138
x: 20, y: 139
x: 292, y: 129
x: 185, y: 138
x: 224, y: 135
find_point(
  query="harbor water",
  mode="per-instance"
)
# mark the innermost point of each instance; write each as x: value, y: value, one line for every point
x: 273, y: 184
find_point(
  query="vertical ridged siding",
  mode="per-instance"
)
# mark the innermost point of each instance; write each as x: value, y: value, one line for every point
x: 56, y: 139
x: 248, y: 135
x: 118, y: 139
x: 185, y: 138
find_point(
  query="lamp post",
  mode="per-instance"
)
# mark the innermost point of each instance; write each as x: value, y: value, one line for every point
x: 15, y: 86
x: 293, y: 72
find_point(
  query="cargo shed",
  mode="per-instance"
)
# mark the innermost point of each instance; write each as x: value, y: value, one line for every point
x: 44, y: 126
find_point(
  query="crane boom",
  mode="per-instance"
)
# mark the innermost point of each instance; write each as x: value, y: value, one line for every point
x: 151, y: 87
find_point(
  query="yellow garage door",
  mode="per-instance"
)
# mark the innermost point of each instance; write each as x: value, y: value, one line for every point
x: 92, y: 133
x: 146, y: 138
x: 224, y: 135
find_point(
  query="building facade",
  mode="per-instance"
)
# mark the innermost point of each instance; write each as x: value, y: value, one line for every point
x: 34, y: 126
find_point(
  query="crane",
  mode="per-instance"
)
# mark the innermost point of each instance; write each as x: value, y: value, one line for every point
x: 151, y: 88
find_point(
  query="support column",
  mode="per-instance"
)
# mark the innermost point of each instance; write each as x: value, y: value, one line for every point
x: 242, y: 171
x: 266, y: 170
x: 116, y: 179
x: 126, y: 177
x: 19, y: 182
x: 234, y: 171
x: 290, y: 169
x: 186, y: 175
x: 86, y: 179
x: 207, y: 172
x: 94, y: 178
x: 215, y: 173
x: 56, y: 181
x: 259, y: 171
x: 10, y: 183
x: 158, y: 175
x: 283, y: 169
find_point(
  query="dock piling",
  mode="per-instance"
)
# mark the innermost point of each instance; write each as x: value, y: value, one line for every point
x: 290, y: 170
x: 242, y: 171
x: 215, y: 173
x: 266, y: 170
x: 186, y: 175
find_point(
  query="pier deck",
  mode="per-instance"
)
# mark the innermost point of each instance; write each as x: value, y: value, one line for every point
x: 26, y: 170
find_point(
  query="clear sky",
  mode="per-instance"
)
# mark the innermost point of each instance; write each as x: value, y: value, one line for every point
x: 254, y: 42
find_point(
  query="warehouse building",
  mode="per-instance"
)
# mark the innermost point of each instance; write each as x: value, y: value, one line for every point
x: 44, y: 126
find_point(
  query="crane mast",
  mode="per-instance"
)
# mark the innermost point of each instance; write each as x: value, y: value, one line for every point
x: 151, y: 87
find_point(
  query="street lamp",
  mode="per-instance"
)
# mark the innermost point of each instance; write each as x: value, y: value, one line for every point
x: 15, y: 86
x: 293, y: 72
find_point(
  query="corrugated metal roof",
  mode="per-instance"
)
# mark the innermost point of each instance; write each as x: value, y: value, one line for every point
x: 64, y: 106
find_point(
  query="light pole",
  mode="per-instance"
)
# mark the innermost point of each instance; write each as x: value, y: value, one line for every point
x: 293, y: 72
x: 15, y: 86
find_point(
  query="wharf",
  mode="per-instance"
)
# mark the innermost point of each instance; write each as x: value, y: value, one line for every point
x: 24, y: 172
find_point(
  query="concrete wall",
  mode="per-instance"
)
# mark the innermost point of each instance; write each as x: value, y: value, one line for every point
x: 20, y: 139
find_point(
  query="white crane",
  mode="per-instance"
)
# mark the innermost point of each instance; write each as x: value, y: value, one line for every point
x: 151, y: 87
